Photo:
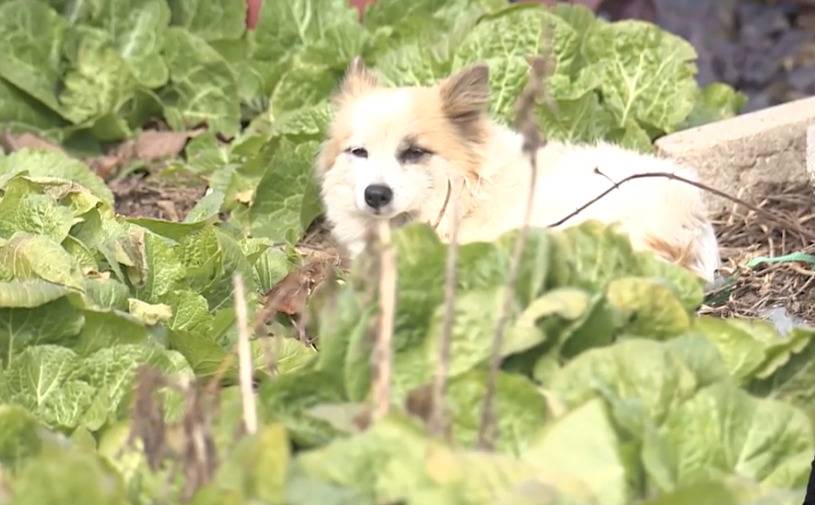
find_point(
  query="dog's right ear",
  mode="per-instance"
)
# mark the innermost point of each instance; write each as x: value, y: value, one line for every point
x: 358, y: 79
x: 465, y: 96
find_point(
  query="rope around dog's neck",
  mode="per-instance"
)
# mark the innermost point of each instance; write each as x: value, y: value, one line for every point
x: 444, y: 205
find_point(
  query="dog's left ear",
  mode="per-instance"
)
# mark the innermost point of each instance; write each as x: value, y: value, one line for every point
x: 465, y: 95
x: 358, y: 79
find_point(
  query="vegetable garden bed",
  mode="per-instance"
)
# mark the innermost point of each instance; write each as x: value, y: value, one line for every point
x: 154, y: 149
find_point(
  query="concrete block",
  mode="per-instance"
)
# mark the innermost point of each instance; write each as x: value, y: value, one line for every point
x: 741, y: 154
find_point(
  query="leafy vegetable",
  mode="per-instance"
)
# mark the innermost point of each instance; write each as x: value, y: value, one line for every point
x: 612, y: 389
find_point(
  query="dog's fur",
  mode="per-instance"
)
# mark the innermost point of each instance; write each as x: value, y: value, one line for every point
x: 456, y: 145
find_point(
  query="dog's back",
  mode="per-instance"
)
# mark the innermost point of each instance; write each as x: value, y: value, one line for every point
x: 665, y: 215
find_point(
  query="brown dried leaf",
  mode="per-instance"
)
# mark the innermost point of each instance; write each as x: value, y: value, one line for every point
x: 15, y: 141
x: 154, y: 145
x: 105, y: 166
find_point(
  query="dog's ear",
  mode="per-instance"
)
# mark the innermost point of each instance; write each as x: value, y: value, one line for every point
x: 358, y: 79
x: 465, y: 96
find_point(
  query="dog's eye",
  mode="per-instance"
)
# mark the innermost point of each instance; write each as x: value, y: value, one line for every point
x: 413, y: 154
x: 359, y: 152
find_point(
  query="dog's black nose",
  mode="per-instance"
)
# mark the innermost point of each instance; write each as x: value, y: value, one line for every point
x: 378, y: 195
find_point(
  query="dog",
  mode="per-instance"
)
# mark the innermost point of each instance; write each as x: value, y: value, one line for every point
x: 401, y: 154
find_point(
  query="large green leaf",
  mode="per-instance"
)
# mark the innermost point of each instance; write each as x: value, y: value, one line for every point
x: 66, y: 391
x: 20, y: 436
x: 56, y: 322
x: 751, y: 348
x: 634, y: 62
x: 27, y: 256
x: 723, y: 430
x: 92, y: 481
x: 42, y: 379
x: 279, y: 197
x: 211, y: 19
x: 638, y: 377
x: 582, y: 446
x: 520, y: 409
x: 505, y: 41
x: 650, y: 307
x: 793, y: 382
x: 24, y: 209
x: 137, y: 31
x: 714, y: 102
x: 98, y: 82
x: 29, y: 293
x: 21, y: 111
x: 203, y: 88
x: 31, y: 36
x: 288, y: 398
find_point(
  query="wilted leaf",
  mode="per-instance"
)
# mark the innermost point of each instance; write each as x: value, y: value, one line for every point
x: 53, y: 165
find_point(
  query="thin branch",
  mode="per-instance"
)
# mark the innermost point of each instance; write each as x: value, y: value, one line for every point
x: 487, y: 430
x: 250, y: 417
x: 438, y: 424
x: 381, y: 355
x: 762, y: 212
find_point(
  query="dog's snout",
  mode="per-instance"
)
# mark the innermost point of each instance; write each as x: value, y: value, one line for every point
x: 378, y: 195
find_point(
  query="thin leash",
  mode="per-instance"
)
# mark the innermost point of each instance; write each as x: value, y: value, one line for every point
x: 444, y: 206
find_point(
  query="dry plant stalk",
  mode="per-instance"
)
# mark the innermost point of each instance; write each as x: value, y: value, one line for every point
x: 250, y: 417
x: 438, y: 423
x: 382, y: 354
x: 148, y: 416
x: 198, y: 460
x: 487, y: 430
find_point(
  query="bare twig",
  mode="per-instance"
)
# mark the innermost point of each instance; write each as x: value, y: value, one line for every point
x: 487, y: 429
x: 793, y: 226
x: 438, y: 424
x: 250, y: 417
x: 381, y: 355
x: 199, y: 459
x: 148, y: 416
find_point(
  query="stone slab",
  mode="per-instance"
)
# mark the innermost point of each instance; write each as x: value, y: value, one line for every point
x: 740, y: 154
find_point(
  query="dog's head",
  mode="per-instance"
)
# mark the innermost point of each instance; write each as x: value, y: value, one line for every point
x: 391, y: 151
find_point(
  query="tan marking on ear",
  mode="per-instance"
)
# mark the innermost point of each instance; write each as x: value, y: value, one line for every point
x: 465, y: 97
x: 444, y: 137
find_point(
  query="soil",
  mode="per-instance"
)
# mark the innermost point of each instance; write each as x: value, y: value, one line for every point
x: 138, y: 196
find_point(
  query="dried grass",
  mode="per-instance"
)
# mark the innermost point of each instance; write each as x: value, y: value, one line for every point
x: 744, y: 235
